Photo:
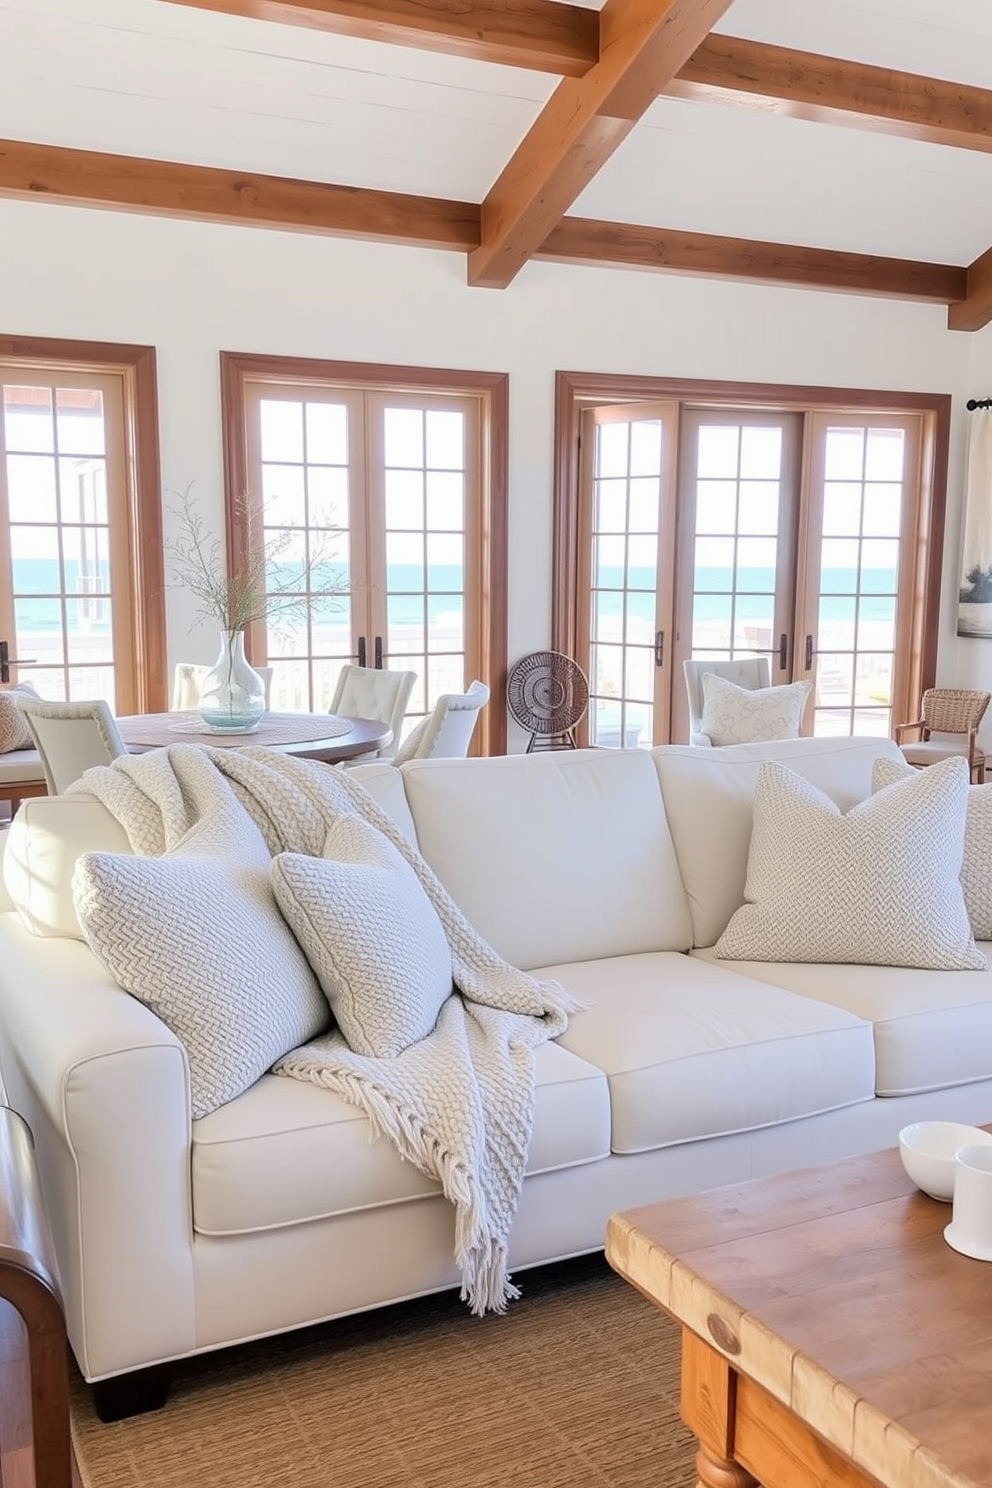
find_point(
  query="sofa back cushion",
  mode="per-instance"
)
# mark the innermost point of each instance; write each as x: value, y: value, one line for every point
x: 708, y: 796
x: 553, y: 857
x: 49, y: 833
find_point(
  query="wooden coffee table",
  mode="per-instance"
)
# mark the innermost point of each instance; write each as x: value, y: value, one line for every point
x: 829, y: 1333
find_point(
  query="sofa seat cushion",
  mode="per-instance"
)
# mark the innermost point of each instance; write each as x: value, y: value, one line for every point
x: 286, y: 1152
x: 693, y: 1051
x: 933, y: 1029
x: 21, y: 764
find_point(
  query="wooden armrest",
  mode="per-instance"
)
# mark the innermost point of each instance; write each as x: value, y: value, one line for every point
x: 901, y: 728
x: 29, y: 1282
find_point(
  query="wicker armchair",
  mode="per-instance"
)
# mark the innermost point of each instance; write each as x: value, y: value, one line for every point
x: 948, y: 725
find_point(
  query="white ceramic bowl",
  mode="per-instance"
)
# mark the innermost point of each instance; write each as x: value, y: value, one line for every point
x: 927, y: 1149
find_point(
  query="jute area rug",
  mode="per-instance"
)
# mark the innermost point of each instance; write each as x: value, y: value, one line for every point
x: 576, y: 1387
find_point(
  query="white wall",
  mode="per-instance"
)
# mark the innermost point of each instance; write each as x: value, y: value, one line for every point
x: 192, y: 290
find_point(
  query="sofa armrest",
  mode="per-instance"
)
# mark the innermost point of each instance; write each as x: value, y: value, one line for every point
x: 104, y: 1087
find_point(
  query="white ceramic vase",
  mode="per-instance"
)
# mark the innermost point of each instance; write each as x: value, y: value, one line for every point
x: 232, y: 699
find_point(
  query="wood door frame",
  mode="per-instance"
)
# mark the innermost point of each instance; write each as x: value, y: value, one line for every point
x: 577, y: 390
x: 492, y: 388
x: 136, y: 365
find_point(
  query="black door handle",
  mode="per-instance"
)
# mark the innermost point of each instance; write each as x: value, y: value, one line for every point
x: 7, y: 661
x: 810, y: 653
x: 378, y: 653
x: 361, y: 650
x: 659, y: 648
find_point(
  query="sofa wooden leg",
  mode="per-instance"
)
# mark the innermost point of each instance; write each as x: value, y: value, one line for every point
x: 132, y: 1394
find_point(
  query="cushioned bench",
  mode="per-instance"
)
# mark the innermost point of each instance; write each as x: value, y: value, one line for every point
x: 21, y: 776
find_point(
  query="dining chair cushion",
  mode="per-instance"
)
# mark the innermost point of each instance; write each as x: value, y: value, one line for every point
x: 976, y: 863
x: 371, y: 935
x: 196, y: 935
x: 14, y: 731
x: 878, y: 885
x: 743, y: 715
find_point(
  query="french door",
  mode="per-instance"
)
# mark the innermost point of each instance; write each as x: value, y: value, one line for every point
x: 372, y: 499
x: 66, y: 570
x: 720, y: 532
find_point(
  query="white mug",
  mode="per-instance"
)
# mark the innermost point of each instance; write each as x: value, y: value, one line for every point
x: 970, y: 1229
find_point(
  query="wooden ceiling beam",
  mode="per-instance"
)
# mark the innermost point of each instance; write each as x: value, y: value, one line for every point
x: 617, y: 244
x: 643, y: 43
x: 803, y: 85
x: 540, y: 34
x: 203, y: 193
x: 166, y: 188
x: 974, y: 310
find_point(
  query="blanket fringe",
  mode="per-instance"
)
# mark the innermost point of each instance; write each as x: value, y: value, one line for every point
x: 481, y: 1260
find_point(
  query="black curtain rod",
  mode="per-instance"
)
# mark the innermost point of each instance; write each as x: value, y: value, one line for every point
x: 974, y: 403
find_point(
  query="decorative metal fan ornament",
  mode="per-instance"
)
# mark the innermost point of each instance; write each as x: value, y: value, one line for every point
x: 547, y: 694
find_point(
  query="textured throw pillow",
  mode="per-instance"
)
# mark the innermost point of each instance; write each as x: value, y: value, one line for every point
x: 878, y: 885
x: 741, y: 715
x: 197, y: 937
x: 371, y: 934
x: 14, y: 731
x: 976, y: 864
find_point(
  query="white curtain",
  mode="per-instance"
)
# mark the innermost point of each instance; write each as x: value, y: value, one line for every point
x: 975, y: 606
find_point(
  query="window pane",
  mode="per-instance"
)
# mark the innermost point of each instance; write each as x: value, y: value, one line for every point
x: 844, y: 454
x: 285, y: 560
x: 717, y: 454
x: 838, y: 567
x: 88, y: 633
x: 609, y: 554
x: 645, y: 496
x: 716, y: 506
x: 761, y: 454
x: 607, y: 674
x: 79, y: 418
x: 831, y: 725
x: 83, y: 490
x: 445, y: 501
x: 35, y: 555
x: 404, y: 561
x: 640, y: 670
x: 759, y: 508
x: 874, y: 723
x: 283, y: 496
x: 754, y: 620
x: 756, y: 557
x: 27, y: 417
x: 281, y: 430
x: 86, y: 555
x: 327, y: 497
x: 404, y: 499
x: 711, y: 622
x: 834, y: 678
x: 883, y: 510
x: 879, y: 566
x: 38, y: 632
x: 31, y: 488
x: 405, y: 628
x: 327, y: 434
x: 445, y: 562
x: 714, y: 563
x: 836, y: 623
x: 873, y: 683
x: 877, y: 623
x: 445, y: 440
x: 841, y: 509
x: 404, y: 437
x: 645, y: 447
x: 446, y: 622
x: 642, y: 563
x: 611, y: 506
x: 885, y: 455
x: 641, y: 617
x: 612, y: 449
x: 607, y: 614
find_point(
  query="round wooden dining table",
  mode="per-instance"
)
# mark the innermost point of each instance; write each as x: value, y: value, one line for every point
x: 329, y: 737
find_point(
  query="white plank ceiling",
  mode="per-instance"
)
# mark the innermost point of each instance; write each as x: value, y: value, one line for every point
x: 148, y: 78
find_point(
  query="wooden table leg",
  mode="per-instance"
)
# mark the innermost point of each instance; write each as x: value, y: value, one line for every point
x: 707, y: 1407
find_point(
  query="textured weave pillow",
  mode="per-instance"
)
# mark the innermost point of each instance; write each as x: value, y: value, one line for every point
x: 878, y: 886
x: 197, y: 937
x: 976, y: 864
x: 14, y: 731
x: 371, y: 934
x: 741, y: 715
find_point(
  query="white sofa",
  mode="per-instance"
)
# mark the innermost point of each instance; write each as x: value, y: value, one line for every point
x: 600, y: 868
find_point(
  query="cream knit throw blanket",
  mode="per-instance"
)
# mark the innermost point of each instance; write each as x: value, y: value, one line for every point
x: 459, y: 1104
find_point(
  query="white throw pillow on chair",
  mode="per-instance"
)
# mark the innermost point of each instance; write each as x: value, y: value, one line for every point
x: 742, y: 715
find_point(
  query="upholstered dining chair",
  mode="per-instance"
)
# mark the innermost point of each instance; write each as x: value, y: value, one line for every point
x: 947, y: 725
x: 187, y: 684
x: 372, y: 692
x: 447, y: 730
x: 70, y: 737
x: 751, y: 672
